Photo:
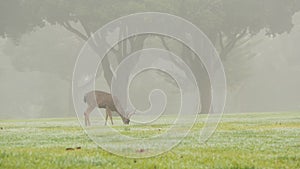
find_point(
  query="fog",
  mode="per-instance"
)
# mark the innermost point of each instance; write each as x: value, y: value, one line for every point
x: 274, y: 81
x: 36, y: 72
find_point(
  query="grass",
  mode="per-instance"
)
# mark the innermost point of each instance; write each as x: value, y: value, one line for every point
x: 254, y: 140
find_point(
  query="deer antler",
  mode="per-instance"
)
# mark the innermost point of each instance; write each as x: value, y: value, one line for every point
x: 129, y: 115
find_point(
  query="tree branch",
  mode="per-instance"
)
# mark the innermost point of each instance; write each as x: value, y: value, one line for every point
x: 164, y: 43
x: 85, y: 27
x: 221, y: 40
x: 229, y: 46
x: 68, y: 26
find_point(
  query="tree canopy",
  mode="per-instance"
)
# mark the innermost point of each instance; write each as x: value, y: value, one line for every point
x: 225, y: 22
x: 228, y: 17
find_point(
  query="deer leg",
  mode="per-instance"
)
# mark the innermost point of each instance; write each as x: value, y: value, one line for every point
x: 87, y: 114
x: 108, y: 114
x: 106, y: 117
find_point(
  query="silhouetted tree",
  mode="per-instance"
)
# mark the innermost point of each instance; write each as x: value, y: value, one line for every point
x: 226, y: 22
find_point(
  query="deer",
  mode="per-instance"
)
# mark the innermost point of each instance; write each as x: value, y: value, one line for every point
x: 104, y: 100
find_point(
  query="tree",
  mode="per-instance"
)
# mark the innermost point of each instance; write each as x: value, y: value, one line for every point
x: 47, y: 50
x: 226, y: 22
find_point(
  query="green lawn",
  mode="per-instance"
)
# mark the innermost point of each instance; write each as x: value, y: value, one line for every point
x: 256, y: 140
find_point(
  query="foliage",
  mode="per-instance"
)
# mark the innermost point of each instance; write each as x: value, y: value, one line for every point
x: 225, y: 22
x: 229, y: 19
x: 46, y: 50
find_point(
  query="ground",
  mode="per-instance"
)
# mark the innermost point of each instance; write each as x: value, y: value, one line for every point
x: 249, y: 140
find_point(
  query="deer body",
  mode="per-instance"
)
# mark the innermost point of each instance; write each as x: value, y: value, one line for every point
x: 104, y: 100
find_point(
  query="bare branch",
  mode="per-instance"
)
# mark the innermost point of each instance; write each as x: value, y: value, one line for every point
x: 85, y: 27
x: 229, y: 46
x: 68, y: 26
x: 221, y: 40
x: 164, y: 43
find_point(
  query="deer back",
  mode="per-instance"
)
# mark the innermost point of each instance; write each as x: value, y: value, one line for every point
x: 100, y: 99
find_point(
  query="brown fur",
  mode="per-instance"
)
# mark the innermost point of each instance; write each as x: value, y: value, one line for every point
x: 104, y: 100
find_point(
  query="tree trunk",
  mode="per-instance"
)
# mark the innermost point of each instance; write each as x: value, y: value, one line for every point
x: 201, y: 76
